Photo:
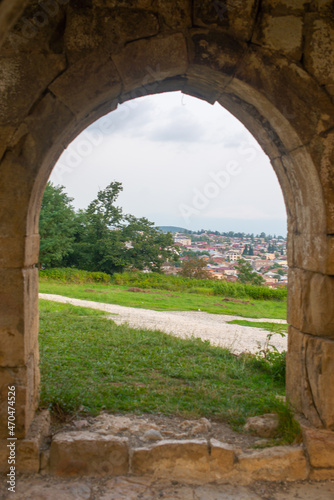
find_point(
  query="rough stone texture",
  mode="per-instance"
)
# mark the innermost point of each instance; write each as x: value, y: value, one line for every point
x: 322, y: 152
x: 9, y: 13
x: 70, y: 68
x: 88, y: 453
x: 19, y: 365
x: 319, y: 445
x: 321, y: 474
x: 219, y: 51
x: 79, y: 82
x: 187, y: 459
x: 130, y: 488
x: 310, y: 303
x: 144, y: 62
x: 310, y: 360
x: 29, y: 449
x: 222, y: 459
x: 319, y: 55
x: 227, y: 15
x: 42, y: 490
x: 270, y: 34
x: 14, y: 74
x: 265, y: 426
x: 311, y: 252
x: 274, y: 464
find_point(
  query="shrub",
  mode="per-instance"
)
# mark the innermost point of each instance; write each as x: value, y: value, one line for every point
x: 69, y: 275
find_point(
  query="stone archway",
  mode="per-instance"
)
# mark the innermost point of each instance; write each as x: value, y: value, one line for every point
x: 66, y: 63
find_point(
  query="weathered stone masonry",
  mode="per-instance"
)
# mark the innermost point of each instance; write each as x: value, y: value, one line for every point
x: 65, y: 63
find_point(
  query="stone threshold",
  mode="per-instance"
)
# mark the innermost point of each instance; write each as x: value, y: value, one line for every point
x: 77, y: 453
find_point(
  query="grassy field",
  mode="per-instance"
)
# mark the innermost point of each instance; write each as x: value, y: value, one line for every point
x: 265, y: 325
x: 165, y: 300
x: 87, y: 361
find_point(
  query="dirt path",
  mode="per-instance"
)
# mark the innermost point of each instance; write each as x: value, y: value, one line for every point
x: 212, y: 327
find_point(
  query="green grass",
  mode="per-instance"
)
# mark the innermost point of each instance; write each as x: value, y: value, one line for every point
x: 87, y: 361
x: 163, y: 282
x: 270, y: 327
x: 165, y: 300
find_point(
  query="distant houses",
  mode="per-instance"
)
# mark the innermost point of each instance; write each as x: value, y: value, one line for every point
x: 266, y: 255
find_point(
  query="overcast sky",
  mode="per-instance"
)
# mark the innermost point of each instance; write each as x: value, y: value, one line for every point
x: 181, y: 162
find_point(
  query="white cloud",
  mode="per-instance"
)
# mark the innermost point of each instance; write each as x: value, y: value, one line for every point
x: 164, y: 147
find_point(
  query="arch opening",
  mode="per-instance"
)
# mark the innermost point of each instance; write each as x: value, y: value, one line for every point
x: 263, y: 88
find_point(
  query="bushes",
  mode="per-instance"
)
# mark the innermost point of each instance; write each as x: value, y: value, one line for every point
x: 205, y: 287
x: 69, y: 275
x: 163, y: 282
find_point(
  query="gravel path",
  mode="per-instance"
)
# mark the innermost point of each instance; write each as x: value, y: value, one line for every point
x: 212, y: 327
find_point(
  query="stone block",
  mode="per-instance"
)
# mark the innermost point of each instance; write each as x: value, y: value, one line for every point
x: 321, y: 474
x: 180, y: 460
x: 287, y: 111
x: 175, y: 15
x: 6, y: 133
x: 265, y: 426
x: 319, y: 54
x: 88, y: 453
x: 77, y: 87
x: 269, y: 34
x: 217, y: 51
x: 188, y: 459
x: 311, y: 252
x: 16, y: 377
x: 29, y: 449
x: 308, y: 192
x: 236, y: 18
x: 18, y: 315
x: 128, y: 24
x: 15, y: 72
x: 319, y: 445
x: 322, y: 153
x: 222, y: 459
x: 310, y: 386
x: 281, y: 463
x: 295, y: 370
x: 319, y: 360
x: 278, y: 7
x: 144, y: 62
x: 44, y: 144
x: 19, y: 252
x: 310, y: 301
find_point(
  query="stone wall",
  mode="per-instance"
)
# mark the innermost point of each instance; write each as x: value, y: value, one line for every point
x: 65, y: 63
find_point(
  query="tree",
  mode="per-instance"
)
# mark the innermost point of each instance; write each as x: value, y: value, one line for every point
x: 56, y: 226
x: 109, y: 241
x: 247, y: 275
x: 195, y: 268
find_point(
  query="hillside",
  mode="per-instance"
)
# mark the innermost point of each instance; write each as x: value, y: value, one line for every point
x: 172, y: 229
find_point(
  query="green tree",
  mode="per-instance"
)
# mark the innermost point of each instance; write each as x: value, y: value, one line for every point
x: 56, y: 226
x: 195, y: 268
x: 109, y: 241
x: 247, y: 275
